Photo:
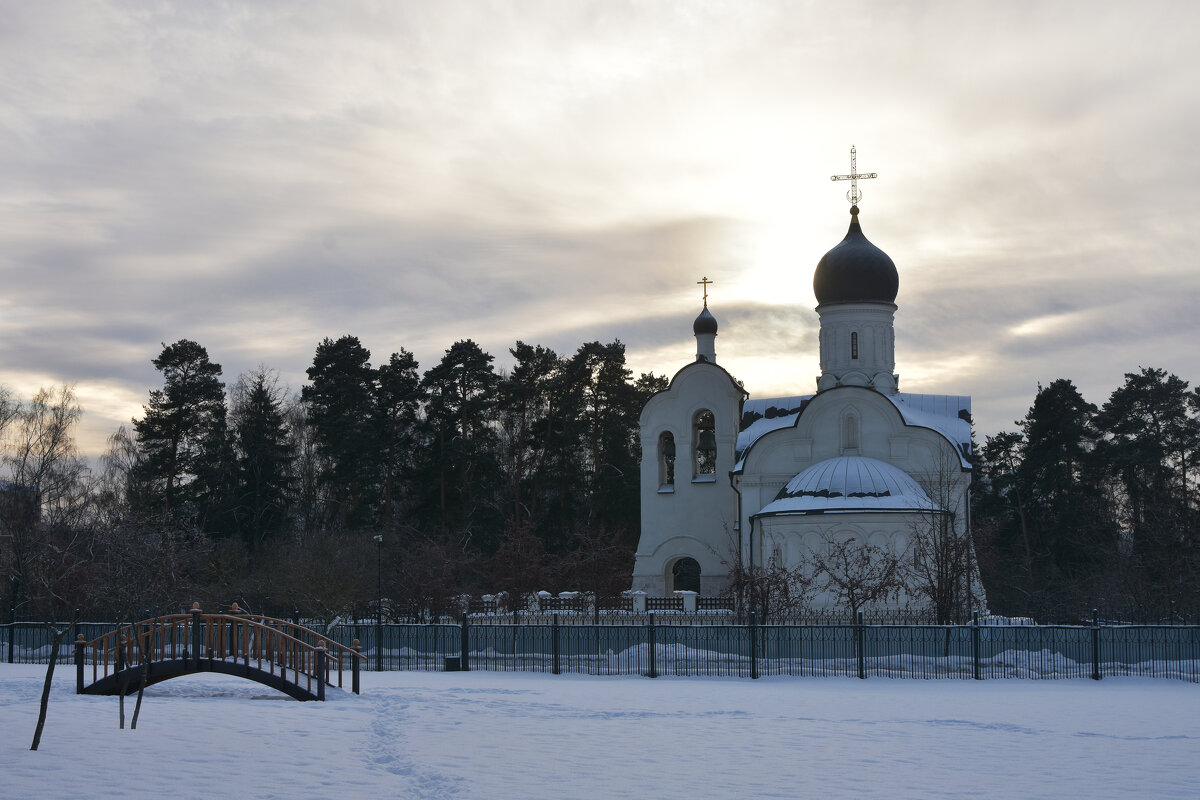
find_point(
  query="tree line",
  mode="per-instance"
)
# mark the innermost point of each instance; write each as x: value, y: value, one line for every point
x: 420, y: 486
x: 371, y: 480
x: 1087, y: 507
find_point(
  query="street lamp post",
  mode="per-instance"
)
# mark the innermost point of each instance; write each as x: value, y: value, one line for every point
x: 379, y: 602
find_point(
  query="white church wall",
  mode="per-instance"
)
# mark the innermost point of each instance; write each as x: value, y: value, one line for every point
x: 652, y: 574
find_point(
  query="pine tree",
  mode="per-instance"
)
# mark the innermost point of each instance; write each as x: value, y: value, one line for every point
x: 183, y: 432
x: 1070, y: 513
x: 610, y: 405
x: 1152, y: 441
x: 531, y: 423
x: 343, y: 414
x: 265, y: 456
x: 399, y: 400
x: 462, y: 452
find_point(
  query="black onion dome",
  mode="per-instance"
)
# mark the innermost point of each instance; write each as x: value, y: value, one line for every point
x: 855, y: 271
x: 705, y: 323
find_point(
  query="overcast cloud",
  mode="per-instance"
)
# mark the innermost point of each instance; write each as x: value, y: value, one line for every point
x: 258, y: 177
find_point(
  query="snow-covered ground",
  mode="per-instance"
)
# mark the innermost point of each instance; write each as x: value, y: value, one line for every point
x: 526, y: 736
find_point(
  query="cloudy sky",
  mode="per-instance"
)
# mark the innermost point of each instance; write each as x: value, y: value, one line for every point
x: 259, y: 176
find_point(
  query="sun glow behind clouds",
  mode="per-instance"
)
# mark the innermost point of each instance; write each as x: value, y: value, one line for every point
x: 1047, y: 325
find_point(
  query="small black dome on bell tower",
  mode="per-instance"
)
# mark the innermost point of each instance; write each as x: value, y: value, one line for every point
x: 705, y: 323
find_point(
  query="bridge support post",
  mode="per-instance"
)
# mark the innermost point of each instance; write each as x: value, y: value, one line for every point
x: 354, y: 668
x: 122, y: 644
x: 79, y: 645
x: 196, y: 639
x: 321, y: 663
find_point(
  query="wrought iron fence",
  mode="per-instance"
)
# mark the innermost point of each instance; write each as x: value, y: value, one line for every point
x: 30, y: 642
x: 663, y: 644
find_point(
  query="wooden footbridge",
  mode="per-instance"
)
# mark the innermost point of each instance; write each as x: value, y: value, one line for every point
x: 274, y: 652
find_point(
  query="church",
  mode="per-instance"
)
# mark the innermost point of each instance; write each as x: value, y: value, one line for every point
x: 728, y: 480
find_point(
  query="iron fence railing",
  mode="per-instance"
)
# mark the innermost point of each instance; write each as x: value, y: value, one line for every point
x: 663, y: 644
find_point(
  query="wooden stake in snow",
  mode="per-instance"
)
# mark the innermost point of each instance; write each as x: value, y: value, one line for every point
x: 41, y: 723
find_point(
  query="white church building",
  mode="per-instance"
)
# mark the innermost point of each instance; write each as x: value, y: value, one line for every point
x: 726, y: 479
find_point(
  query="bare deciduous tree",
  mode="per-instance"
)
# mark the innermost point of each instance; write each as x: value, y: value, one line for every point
x: 44, y: 531
x: 44, y: 524
x: 857, y: 573
x: 520, y: 565
x: 941, y: 568
x: 770, y: 590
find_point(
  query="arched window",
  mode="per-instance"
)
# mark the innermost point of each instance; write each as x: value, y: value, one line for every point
x: 685, y: 575
x: 704, y: 442
x: 854, y: 344
x: 666, y: 459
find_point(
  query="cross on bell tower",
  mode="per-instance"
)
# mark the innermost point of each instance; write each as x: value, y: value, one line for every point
x: 854, y: 195
x: 705, y: 328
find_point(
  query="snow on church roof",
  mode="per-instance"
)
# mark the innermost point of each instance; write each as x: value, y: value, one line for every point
x: 943, y: 413
x: 770, y: 409
x: 849, y: 484
x: 948, y: 414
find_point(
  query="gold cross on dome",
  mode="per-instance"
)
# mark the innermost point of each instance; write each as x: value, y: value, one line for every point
x: 705, y: 282
x: 854, y: 195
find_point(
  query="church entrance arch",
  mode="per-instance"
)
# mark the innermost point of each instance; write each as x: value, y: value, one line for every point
x: 684, y: 575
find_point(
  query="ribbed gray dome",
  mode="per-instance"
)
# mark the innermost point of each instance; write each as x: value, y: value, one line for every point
x: 850, y: 483
x: 705, y: 323
x: 855, y: 271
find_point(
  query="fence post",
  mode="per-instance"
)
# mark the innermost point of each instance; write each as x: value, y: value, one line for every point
x: 354, y: 667
x: 321, y: 672
x: 555, y: 668
x: 1095, y: 645
x: 12, y: 640
x: 975, y: 646
x: 650, y: 638
x: 465, y: 645
x: 79, y: 644
x: 860, y: 641
x: 753, y: 629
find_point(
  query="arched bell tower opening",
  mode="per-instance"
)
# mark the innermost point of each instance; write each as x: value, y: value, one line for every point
x: 666, y: 461
x: 704, y: 445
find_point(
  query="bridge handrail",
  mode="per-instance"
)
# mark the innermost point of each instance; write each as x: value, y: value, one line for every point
x: 331, y: 645
x: 242, y: 637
